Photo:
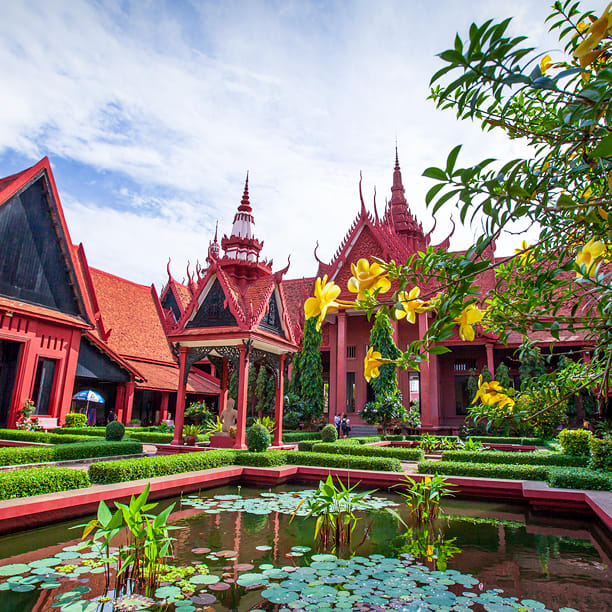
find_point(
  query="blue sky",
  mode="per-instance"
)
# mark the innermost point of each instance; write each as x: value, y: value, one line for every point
x: 152, y: 113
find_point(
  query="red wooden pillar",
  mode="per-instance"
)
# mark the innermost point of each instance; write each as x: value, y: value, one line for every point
x: 120, y: 402
x: 241, y: 404
x: 179, y: 416
x: 333, y: 373
x: 278, y: 404
x: 224, y: 384
x: 129, y: 401
x: 163, y: 409
x: 341, y: 364
x: 428, y: 407
x: 66, y: 388
x: 490, y: 359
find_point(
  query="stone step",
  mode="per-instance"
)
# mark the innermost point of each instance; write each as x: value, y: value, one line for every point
x: 360, y: 431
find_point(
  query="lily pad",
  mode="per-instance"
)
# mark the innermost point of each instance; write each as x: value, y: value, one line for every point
x: 204, y: 579
x: 13, y: 569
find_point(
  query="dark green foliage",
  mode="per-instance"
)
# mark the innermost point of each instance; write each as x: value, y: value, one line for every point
x: 601, y: 453
x: 405, y: 454
x: 265, y: 390
x: 115, y: 431
x: 381, y: 340
x: 472, y: 384
x: 575, y: 441
x: 514, y: 458
x: 197, y: 412
x: 150, y: 467
x: 381, y: 464
x: 311, y: 368
x: 232, y: 385
x: 359, y: 440
x: 75, y: 419
x: 394, y: 437
x: 508, y: 440
x: 502, y: 376
x: 257, y: 438
x: 329, y: 433
x: 267, y: 459
x: 25, y: 483
x: 532, y: 365
x: 97, y: 432
x: 306, y: 445
x: 298, y: 436
x: 576, y: 478
x: 40, y: 436
x: 486, y: 374
x: 485, y: 470
x: 295, y: 386
x: 65, y: 452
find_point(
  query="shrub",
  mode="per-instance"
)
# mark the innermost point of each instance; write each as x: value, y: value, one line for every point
x: 508, y: 440
x: 510, y: 458
x: 359, y: 440
x: 25, y: 483
x: 152, y: 437
x: 394, y: 437
x: 40, y: 436
x: 76, y: 419
x: 197, y: 412
x: 572, y: 478
x: 405, y: 454
x: 329, y: 433
x: 270, y: 458
x: 257, y: 438
x: 306, y: 445
x: 575, y: 441
x: 97, y: 432
x: 381, y: 464
x: 601, y: 453
x: 22, y: 455
x: 115, y: 431
x: 484, y: 470
x: 150, y: 467
x: 298, y: 436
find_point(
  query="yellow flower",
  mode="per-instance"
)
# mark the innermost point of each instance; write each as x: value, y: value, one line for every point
x: 469, y: 316
x: 585, y: 52
x: 410, y: 305
x: 492, y: 394
x: 368, y: 277
x: 324, y: 300
x: 372, y: 362
x: 524, y: 253
x: 545, y: 63
x: 427, y: 480
x: 590, y: 254
x: 430, y: 551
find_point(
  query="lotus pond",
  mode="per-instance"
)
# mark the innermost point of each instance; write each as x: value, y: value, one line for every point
x: 239, y: 549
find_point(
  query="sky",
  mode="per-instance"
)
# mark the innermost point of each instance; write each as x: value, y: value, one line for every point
x: 152, y: 113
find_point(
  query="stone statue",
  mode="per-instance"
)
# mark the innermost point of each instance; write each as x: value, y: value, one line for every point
x: 228, y: 416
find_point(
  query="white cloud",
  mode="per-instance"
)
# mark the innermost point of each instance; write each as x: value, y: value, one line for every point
x: 304, y: 95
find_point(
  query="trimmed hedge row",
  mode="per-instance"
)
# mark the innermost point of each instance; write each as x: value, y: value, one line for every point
x: 405, y: 454
x: 267, y: 459
x: 509, y: 440
x: 25, y: 483
x: 485, y: 470
x: 572, y: 478
x: 298, y: 436
x: 40, y: 436
x: 382, y: 464
x: 151, y: 467
x: 80, y: 431
x: 359, y: 440
x: 64, y: 452
x: 306, y: 445
x: 511, y: 458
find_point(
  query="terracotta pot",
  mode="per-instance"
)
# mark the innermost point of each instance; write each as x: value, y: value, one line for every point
x: 191, y: 440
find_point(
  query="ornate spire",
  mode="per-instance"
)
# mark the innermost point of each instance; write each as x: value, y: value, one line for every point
x: 397, y: 190
x: 213, y: 247
x: 245, y: 205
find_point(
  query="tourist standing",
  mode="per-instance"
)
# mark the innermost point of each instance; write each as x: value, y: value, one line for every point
x: 337, y: 424
x: 345, y: 425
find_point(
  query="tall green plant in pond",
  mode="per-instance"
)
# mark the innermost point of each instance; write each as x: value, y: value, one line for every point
x: 311, y: 368
x: 424, y: 497
x: 381, y: 340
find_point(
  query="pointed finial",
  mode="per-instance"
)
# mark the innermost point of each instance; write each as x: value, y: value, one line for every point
x: 216, y: 229
x: 396, y: 155
x: 245, y: 205
x: 168, y: 269
x: 363, y: 208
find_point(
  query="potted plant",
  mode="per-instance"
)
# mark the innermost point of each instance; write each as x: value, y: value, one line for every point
x: 190, y: 433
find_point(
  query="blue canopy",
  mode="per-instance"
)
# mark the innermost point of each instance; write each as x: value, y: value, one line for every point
x: 89, y: 396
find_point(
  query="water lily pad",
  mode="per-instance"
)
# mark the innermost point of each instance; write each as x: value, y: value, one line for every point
x: 200, y: 551
x: 263, y: 547
x: 48, y: 562
x: 204, y: 579
x: 278, y: 595
x: 167, y: 592
x: 219, y: 586
x: 13, y: 569
x: 204, y: 599
x: 251, y: 580
x: 226, y: 554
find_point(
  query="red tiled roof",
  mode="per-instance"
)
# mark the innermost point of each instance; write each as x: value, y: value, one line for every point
x: 183, y: 294
x: 166, y: 377
x: 130, y: 314
x: 49, y: 313
x: 295, y: 293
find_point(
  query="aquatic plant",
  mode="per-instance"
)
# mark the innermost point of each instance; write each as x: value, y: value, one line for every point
x: 428, y: 544
x: 424, y: 497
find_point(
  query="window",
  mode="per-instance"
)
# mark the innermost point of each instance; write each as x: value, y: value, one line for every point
x: 43, y: 385
x: 350, y: 392
x: 351, y: 352
x: 465, y: 365
x: 414, y: 384
x: 462, y: 398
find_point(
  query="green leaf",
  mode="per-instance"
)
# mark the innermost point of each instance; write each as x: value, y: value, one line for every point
x: 439, y: 349
x: 435, y: 173
x: 452, y: 158
x: 604, y: 148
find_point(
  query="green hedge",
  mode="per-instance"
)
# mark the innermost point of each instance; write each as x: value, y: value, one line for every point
x: 298, y: 436
x: 572, y: 478
x: 484, y: 470
x: 601, y: 453
x: 306, y: 445
x: 394, y: 437
x: 405, y: 454
x: 509, y: 440
x: 64, y: 452
x: 359, y: 440
x: 25, y: 483
x: 269, y: 458
x: 80, y: 431
x: 515, y: 458
x: 40, y: 436
x: 344, y: 461
x: 150, y: 467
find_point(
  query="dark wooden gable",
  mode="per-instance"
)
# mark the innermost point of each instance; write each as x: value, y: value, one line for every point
x: 32, y: 266
x: 212, y: 313
x: 98, y: 366
x: 169, y: 302
x: 271, y: 321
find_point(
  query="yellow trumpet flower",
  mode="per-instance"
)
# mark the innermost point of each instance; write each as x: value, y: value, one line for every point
x: 410, y: 305
x: 368, y: 277
x: 372, y: 362
x: 469, y: 316
x: 545, y: 63
x: 585, y: 51
x: 524, y: 253
x: 492, y: 393
x: 324, y: 300
x: 590, y: 254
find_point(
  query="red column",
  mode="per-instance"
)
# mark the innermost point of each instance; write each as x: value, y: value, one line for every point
x: 490, y: 360
x: 333, y: 372
x: 278, y: 404
x: 426, y: 399
x: 163, y: 409
x: 341, y: 364
x: 119, y: 402
x: 241, y: 404
x: 65, y: 392
x: 129, y: 401
x: 224, y: 383
x: 179, y: 417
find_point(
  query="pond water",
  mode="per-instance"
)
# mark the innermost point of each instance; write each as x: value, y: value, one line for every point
x: 480, y: 556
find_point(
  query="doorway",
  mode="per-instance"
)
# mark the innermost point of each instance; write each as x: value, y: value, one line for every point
x: 9, y: 362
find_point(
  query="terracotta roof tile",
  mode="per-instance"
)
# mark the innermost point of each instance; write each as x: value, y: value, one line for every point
x: 183, y: 294
x: 130, y: 313
x: 166, y: 378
